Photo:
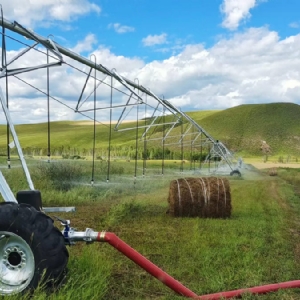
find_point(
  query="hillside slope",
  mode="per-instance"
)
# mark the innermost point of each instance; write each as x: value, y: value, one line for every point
x: 241, y: 128
x: 244, y: 127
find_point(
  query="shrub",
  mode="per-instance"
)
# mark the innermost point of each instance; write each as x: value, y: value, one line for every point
x: 113, y: 170
x: 62, y: 175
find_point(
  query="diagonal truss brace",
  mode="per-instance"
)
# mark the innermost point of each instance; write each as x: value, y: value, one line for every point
x: 131, y: 86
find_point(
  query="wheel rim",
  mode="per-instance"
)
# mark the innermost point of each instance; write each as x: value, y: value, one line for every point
x: 16, y: 263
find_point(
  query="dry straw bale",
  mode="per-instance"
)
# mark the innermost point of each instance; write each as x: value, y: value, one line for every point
x: 273, y: 172
x: 206, y: 197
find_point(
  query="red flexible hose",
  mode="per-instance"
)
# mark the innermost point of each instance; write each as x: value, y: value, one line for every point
x: 143, y: 262
x: 263, y: 289
x: 175, y: 285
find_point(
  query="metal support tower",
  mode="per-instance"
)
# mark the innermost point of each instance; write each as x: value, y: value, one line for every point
x: 120, y: 95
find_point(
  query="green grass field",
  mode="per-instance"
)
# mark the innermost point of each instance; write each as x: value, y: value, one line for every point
x: 241, y: 129
x: 258, y: 245
x: 244, y: 127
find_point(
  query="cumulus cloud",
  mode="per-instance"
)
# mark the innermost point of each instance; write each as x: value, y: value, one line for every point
x: 255, y: 66
x: 235, y: 11
x: 121, y: 28
x: 152, y: 40
x: 122, y: 64
x: 31, y: 13
x: 85, y: 45
x: 251, y: 67
x: 28, y: 91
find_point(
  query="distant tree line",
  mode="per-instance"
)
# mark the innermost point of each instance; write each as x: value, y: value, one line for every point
x: 128, y: 152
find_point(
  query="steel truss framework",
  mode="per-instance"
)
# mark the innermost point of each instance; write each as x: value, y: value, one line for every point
x: 102, y: 92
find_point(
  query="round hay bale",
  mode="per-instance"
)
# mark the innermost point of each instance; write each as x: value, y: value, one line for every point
x: 205, y: 197
x: 273, y: 172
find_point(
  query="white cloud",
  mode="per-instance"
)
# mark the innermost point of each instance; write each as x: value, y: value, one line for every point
x: 294, y: 24
x: 36, y: 111
x: 121, y: 28
x: 28, y: 105
x: 86, y: 45
x: 235, y: 11
x: 255, y: 66
x: 122, y: 64
x: 290, y: 84
x: 31, y: 13
x: 152, y: 40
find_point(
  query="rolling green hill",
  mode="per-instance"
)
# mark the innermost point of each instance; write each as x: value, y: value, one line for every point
x: 241, y: 128
x: 244, y: 127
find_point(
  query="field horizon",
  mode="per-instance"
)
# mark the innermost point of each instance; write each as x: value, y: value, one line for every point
x: 242, y: 129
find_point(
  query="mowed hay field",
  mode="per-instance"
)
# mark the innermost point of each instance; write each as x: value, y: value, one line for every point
x: 259, y: 243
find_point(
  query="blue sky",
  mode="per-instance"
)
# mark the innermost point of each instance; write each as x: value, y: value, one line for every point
x: 199, y: 54
x: 181, y: 21
x: 123, y: 27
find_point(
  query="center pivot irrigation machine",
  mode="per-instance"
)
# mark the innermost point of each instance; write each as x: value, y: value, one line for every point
x: 32, y: 250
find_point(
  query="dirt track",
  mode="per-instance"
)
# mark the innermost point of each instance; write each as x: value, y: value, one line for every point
x: 261, y: 165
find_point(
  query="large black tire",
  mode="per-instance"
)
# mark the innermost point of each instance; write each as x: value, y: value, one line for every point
x: 21, y: 226
x: 235, y: 172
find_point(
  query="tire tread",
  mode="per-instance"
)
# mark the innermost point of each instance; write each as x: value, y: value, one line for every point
x: 46, y: 241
